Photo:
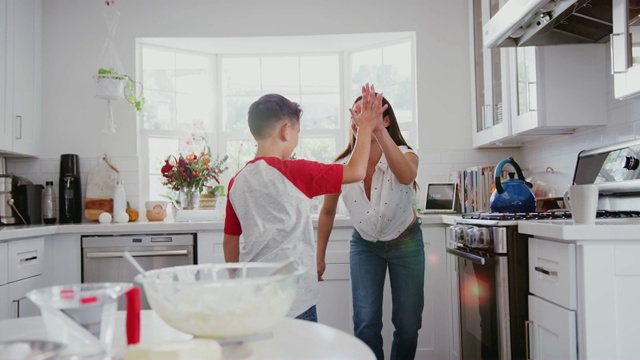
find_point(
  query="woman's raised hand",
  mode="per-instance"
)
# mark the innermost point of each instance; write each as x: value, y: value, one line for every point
x: 370, y: 114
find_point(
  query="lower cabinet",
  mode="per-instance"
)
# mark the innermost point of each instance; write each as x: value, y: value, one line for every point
x: 335, y: 302
x: 436, y: 335
x: 439, y: 337
x: 63, y: 262
x: 19, y: 305
x: 604, y: 277
x: 25, y: 260
x: 552, y: 331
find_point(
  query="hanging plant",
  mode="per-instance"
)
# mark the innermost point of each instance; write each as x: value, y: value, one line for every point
x: 111, y: 85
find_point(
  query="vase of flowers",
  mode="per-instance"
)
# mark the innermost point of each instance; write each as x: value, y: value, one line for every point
x: 190, y: 175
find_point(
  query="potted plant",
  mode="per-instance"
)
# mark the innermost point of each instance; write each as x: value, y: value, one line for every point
x: 189, y: 175
x: 111, y: 85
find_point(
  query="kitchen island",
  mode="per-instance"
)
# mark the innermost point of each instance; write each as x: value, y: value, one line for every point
x: 291, y: 339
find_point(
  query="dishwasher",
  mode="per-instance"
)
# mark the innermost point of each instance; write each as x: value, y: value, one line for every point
x: 103, y: 256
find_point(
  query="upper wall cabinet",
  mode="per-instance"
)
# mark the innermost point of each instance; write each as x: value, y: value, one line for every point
x: 490, y: 67
x: 20, y: 102
x: 557, y: 89
x: 625, y: 48
x: 524, y: 93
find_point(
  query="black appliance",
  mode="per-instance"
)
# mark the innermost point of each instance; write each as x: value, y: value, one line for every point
x: 28, y: 203
x: 493, y: 283
x: 70, y: 193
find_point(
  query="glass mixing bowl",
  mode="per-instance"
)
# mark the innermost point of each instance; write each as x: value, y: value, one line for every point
x: 222, y: 301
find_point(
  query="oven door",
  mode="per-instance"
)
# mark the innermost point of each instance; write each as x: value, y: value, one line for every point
x: 484, y: 304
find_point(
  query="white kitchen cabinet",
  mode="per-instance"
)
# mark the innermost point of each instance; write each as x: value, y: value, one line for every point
x: 335, y: 302
x: 22, y: 81
x: 522, y: 94
x: 552, y: 323
x: 435, y: 335
x: 24, y: 260
x: 63, y: 260
x: 603, y: 324
x: 625, y: 48
x: 490, y: 80
x: 19, y: 305
x: 5, y: 123
x: 209, y: 247
x: 552, y: 331
x: 453, y: 300
x: 557, y: 89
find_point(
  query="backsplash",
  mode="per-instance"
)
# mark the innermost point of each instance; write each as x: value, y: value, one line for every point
x: 48, y: 169
x: 561, y: 152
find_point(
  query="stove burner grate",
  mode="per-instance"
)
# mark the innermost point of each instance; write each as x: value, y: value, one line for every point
x: 549, y: 215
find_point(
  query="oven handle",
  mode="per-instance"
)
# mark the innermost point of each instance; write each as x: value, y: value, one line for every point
x: 471, y: 257
x: 119, y: 254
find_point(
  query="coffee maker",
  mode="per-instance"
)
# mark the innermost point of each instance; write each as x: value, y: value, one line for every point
x: 69, y: 190
x: 28, y: 201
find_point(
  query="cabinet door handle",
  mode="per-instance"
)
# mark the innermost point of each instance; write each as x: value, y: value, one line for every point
x: 620, y: 46
x: 18, y: 127
x: 540, y: 269
x: 527, y: 323
x: 119, y: 254
x: 17, y: 302
x: 31, y: 258
x: 531, y: 88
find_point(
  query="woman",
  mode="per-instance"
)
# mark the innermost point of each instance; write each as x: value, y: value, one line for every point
x: 386, y: 236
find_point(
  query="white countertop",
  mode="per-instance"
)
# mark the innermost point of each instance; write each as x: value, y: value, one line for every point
x: 292, y: 338
x: 92, y: 228
x: 602, y: 230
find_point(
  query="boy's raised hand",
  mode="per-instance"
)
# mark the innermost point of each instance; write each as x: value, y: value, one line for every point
x: 370, y: 114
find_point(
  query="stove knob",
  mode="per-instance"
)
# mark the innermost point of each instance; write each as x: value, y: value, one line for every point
x: 483, y: 236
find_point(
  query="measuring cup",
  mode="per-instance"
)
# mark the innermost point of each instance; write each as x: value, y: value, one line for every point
x: 82, y: 316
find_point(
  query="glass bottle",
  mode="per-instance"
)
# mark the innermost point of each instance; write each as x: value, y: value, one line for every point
x: 119, y: 200
x: 49, y: 204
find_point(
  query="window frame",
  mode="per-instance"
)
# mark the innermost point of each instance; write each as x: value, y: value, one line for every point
x: 218, y: 139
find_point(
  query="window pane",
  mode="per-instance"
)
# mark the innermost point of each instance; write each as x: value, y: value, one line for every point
x: 401, y: 98
x: 280, y: 75
x: 398, y: 58
x: 234, y: 111
x: 240, y: 76
x: 158, y: 69
x: 158, y: 110
x: 240, y: 151
x: 159, y: 149
x: 193, y: 108
x: 320, y: 111
x: 193, y: 74
x: 320, y: 74
x: 318, y: 149
x: 364, y: 69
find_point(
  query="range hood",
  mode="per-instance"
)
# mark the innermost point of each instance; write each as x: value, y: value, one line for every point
x: 549, y: 22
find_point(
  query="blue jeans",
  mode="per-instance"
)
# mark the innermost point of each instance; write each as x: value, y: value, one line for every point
x: 405, y: 259
x: 311, y: 314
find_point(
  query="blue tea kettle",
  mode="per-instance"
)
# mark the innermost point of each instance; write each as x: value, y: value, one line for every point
x: 511, y: 195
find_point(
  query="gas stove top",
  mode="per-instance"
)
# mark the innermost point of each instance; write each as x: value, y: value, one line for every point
x: 550, y: 215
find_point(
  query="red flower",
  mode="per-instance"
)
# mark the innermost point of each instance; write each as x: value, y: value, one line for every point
x: 192, y: 171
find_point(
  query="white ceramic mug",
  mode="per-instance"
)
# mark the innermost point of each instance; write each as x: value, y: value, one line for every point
x: 582, y: 200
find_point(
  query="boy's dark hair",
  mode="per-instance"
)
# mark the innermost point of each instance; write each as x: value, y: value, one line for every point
x: 268, y: 110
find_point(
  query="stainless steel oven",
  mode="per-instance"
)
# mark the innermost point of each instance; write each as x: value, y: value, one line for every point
x: 492, y: 260
x: 103, y: 255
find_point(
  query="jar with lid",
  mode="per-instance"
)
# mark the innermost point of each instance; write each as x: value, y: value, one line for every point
x: 49, y: 204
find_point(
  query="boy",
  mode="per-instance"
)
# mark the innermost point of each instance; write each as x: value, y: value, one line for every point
x: 269, y: 199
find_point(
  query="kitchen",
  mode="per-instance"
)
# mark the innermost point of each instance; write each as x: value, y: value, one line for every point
x: 73, y: 37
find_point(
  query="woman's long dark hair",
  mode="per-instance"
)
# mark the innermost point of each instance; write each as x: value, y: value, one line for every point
x: 393, y: 129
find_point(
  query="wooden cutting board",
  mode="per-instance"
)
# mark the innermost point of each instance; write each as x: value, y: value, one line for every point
x: 101, y: 185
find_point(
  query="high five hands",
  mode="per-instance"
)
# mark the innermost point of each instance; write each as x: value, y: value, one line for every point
x: 370, y: 112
